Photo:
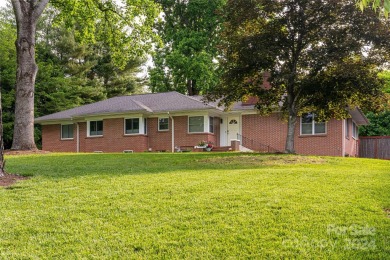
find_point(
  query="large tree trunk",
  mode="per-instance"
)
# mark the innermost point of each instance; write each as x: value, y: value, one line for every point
x: 192, y: 88
x: 292, y: 121
x: 26, y: 14
x: 25, y: 80
x: 292, y: 116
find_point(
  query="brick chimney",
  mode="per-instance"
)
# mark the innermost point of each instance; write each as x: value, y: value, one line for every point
x: 252, y: 100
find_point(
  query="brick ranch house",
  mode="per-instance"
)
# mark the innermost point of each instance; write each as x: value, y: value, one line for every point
x: 165, y: 121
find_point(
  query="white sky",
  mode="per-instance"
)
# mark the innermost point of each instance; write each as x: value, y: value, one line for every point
x: 3, y: 2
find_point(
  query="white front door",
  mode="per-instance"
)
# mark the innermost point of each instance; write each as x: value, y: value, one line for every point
x: 233, y: 128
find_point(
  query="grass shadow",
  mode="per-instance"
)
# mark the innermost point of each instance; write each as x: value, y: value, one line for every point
x: 75, y: 165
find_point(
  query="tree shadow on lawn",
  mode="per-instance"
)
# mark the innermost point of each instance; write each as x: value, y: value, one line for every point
x: 74, y: 165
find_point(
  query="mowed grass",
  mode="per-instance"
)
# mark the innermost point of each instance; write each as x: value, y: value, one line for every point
x: 195, y: 205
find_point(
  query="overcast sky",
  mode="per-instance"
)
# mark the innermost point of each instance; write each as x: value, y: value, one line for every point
x: 3, y: 2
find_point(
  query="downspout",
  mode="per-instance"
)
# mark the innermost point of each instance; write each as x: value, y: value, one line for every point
x: 78, y: 138
x: 173, y: 133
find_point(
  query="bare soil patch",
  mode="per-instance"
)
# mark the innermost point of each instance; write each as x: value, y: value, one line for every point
x: 266, y: 160
x: 19, y: 152
x: 387, y: 211
x: 9, y: 179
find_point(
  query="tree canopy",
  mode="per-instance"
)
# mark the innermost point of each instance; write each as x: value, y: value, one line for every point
x: 123, y: 28
x: 379, y: 124
x: 382, y: 5
x: 322, y: 57
x: 72, y: 71
x: 185, y: 61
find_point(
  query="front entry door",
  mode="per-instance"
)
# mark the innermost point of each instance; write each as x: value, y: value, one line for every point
x: 233, y: 128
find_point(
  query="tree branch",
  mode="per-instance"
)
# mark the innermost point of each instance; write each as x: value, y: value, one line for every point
x: 17, y: 10
x: 38, y: 9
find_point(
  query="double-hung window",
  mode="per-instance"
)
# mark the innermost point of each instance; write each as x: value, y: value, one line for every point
x: 196, y: 124
x: 67, y: 131
x: 132, y: 126
x: 96, y: 128
x: 163, y: 124
x: 355, y: 130
x: 309, y: 126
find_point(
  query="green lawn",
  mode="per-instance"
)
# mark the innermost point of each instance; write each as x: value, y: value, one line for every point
x: 195, y: 205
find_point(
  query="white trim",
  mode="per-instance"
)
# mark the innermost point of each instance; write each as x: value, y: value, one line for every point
x: 205, y: 124
x: 223, y: 132
x: 240, y: 125
x: 64, y: 139
x: 347, y: 134
x: 229, y: 133
x: 78, y: 138
x: 158, y: 123
x: 173, y: 133
x: 313, y: 133
x: 355, y: 127
x: 89, y: 126
x: 140, y: 126
x: 213, y: 124
x: 344, y: 122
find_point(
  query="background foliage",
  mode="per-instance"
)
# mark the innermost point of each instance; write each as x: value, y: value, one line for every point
x: 186, y: 59
x: 72, y: 70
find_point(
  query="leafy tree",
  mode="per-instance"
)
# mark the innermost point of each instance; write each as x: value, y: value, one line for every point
x: 379, y: 124
x: 185, y: 61
x: 7, y: 74
x: 316, y: 52
x: 383, y: 5
x: 379, y: 121
x: 125, y: 27
x: 385, y: 76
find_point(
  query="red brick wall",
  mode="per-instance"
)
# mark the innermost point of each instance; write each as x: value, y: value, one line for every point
x: 329, y: 144
x: 267, y: 130
x: 51, y: 139
x: 162, y: 140
x: 351, y: 144
x: 114, y: 140
x: 271, y: 130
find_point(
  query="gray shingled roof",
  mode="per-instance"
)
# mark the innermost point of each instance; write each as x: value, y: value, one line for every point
x: 158, y: 102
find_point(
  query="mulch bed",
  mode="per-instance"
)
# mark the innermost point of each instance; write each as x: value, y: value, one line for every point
x: 18, y: 152
x: 9, y: 179
x: 388, y: 212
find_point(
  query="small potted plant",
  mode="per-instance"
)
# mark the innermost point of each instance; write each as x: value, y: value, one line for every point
x: 209, y: 146
x: 202, y: 144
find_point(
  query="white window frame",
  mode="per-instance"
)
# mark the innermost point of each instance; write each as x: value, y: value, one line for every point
x: 140, y: 125
x: 211, y: 124
x: 205, y: 124
x: 347, y: 127
x: 158, y: 124
x: 62, y: 138
x: 355, y: 130
x: 313, y: 123
x: 89, y: 128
